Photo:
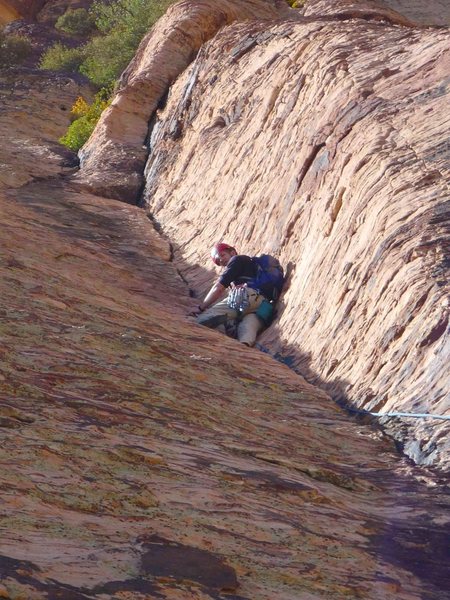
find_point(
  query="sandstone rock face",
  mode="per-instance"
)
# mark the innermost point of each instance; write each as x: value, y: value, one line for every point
x: 325, y: 142
x: 322, y: 138
x: 114, y: 158
x: 146, y: 457
x: 17, y: 9
x: 141, y: 464
x: 34, y: 114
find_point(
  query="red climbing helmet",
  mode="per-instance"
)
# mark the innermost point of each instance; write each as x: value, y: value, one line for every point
x: 217, y: 249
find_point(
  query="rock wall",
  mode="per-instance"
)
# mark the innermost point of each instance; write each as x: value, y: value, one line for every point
x: 43, y: 11
x: 148, y: 457
x: 19, y: 9
x: 321, y: 138
x: 113, y: 160
x: 141, y: 464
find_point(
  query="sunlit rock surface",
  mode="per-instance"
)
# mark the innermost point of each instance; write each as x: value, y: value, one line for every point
x: 321, y: 138
x: 327, y: 145
x: 17, y: 9
x: 41, y: 10
x: 146, y: 457
x: 113, y: 159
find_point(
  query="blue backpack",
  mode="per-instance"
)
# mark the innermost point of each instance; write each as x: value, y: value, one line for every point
x: 269, y: 278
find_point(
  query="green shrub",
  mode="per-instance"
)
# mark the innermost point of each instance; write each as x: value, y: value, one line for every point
x: 14, y: 49
x: 134, y: 17
x: 76, y: 21
x: 61, y: 58
x: 106, y: 58
x: 122, y: 24
x: 86, y: 117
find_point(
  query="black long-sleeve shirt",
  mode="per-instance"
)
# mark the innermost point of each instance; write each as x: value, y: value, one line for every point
x: 240, y: 269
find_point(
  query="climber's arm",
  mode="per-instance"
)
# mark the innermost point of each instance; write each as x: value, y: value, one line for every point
x: 212, y: 296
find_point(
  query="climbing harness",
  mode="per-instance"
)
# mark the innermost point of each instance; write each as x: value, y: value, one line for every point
x: 238, y: 299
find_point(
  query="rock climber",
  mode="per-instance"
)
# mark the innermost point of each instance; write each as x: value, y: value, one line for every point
x: 250, y: 308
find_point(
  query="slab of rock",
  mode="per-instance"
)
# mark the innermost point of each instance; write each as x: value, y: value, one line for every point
x: 19, y: 9
x: 34, y: 113
x: 139, y: 447
x: 149, y: 457
x: 325, y: 142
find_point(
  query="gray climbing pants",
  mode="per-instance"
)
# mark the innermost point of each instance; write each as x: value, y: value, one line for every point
x: 220, y: 316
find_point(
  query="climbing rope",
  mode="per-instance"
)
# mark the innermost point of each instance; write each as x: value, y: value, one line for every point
x: 368, y: 412
x: 399, y: 414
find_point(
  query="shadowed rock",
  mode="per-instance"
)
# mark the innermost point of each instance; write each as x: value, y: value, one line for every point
x: 163, y: 558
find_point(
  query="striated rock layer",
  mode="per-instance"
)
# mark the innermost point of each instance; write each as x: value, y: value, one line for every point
x: 146, y: 457
x: 322, y: 139
x: 114, y: 157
